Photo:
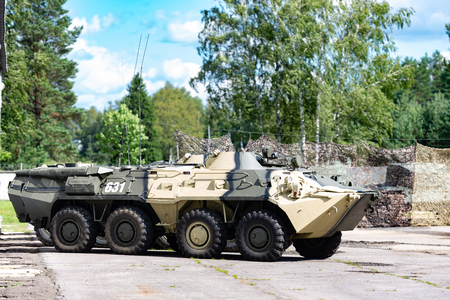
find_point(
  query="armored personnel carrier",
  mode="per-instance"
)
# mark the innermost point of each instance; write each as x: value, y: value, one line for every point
x: 197, y: 204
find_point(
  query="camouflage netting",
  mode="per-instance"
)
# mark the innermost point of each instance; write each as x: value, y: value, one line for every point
x: 390, y: 171
x: 414, y: 181
x: 194, y: 145
x: 391, y: 210
x: 431, y: 199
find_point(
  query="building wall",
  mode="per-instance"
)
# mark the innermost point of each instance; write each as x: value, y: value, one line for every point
x: 5, y: 178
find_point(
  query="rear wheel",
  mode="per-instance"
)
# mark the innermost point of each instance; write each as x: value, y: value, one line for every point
x: 260, y: 235
x: 319, y: 248
x: 201, y: 233
x: 73, y: 230
x: 129, y: 230
x: 44, y: 236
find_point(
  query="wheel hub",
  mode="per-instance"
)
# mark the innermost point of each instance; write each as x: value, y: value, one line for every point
x: 70, y: 231
x: 198, y: 235
x: 125, y: 232
x: 258, y: 237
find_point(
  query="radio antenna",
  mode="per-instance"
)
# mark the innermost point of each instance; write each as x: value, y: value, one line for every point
x: 143, y: 56
x: 137, y: 56
x: 125, y: 129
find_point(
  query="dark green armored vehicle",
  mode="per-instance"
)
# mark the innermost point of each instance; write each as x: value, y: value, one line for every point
x: 196, y: 204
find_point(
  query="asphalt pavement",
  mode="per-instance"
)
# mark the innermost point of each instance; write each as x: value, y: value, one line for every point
x: 378, y: 263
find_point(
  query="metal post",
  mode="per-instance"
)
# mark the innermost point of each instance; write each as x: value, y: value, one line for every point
x: 209, y: 137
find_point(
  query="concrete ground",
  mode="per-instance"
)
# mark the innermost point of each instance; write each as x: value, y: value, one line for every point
x: 400, y: 263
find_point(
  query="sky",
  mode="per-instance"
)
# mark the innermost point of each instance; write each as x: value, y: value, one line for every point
x: 107, y: 48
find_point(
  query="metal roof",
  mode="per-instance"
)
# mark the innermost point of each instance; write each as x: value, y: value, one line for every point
x: 3, y: 66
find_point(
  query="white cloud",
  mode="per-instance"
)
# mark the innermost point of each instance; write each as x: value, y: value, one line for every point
x: 95, y: 25
x: 185, y: 32
x: 151, y: 73
x: 182, y: 73
x: 446, y: 55
x: 100, y: 101
x: 152, y: 87
x: 177, y: 69
x: 99, y: 78
x: 103, y: 72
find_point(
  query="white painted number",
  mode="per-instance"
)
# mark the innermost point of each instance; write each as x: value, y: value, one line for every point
x: 113, y: 187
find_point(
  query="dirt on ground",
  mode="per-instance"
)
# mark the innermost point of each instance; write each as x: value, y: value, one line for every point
x: 23, y: 274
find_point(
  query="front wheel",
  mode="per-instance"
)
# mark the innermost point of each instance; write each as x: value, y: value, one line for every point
x: 260, y: 235
x: 73, y: 230
x: 129, y: 230
x: 201, y: 233
x: 319, y: 248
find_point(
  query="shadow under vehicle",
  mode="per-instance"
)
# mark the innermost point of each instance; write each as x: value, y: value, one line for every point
x: 197, y: 204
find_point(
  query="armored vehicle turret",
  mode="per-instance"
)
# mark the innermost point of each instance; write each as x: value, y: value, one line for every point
x: 197, y: 203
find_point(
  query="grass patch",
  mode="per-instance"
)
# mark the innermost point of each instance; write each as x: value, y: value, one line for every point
x: 349, y: 263
x: 10, y: 222
x: 221, y: 270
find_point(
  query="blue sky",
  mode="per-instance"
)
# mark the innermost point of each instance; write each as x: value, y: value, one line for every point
x: 106, y: 50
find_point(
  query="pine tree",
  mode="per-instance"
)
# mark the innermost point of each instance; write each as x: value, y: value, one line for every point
x: 39, y: 29
x: 137, y: 92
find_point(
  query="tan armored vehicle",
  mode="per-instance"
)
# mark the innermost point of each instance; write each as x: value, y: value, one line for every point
x: 197, y: 204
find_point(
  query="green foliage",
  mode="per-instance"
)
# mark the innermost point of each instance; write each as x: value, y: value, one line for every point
x: 408, y: 118
x: 437, y: 121
x: 113, y: 133
x: 40, y: 117
x: 10, y: 222
x: 286, y: 67
x: 176, y: 106
x: 421, y: 110
x: 89, y: 131
x: 137, y: 93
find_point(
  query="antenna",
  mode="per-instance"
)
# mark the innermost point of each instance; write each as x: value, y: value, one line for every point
x: 125, y: 128
x: 137, y: 56
x: 143, y: 56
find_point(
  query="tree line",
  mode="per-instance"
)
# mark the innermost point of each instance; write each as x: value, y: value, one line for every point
x: 303, y: 70
x: 40, y: 122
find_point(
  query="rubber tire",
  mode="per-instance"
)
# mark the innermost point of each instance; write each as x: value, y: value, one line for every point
x: 213, y: 223
x: 272, y: 225
x: 44, y: 236
x: 161, y: 243
x: 231, y: 246
x: 319, y: 248
x: 172, y: 240
x: 84, y: 222
x: 101, y: 242
x: 141, y: 225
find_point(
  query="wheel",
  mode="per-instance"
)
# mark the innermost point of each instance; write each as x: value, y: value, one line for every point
x: 318, y: 248
x: 73, y: 230
x: 201, y: 233
x: 44, y: 236
x: 172, y: 240
x: 129, y: 230
x: 101, y: 242
x: 260, y: 235
x: 161, y: 243
x: 231, y: 246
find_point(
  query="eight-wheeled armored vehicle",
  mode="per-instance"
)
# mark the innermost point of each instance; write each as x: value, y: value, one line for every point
x: 197, y: 204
